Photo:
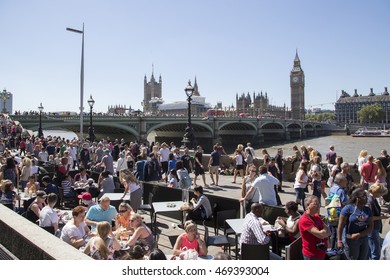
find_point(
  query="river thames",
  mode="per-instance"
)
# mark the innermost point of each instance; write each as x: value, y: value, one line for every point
x: 346, y: 146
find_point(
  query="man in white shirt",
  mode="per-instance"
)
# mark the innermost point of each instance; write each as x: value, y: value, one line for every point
x: 43, y: 155
x: 265, y: 186
x: 48, y: 218
x: 72, y: 149
x: 164, y: 157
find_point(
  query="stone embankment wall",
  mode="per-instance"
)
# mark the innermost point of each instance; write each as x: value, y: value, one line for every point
x: 28, y: 241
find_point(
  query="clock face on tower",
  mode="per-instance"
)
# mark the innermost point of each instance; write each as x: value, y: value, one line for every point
x: 295, y: 79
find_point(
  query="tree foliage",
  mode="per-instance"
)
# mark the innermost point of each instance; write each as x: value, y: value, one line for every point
x: 321, y: 117
x: 371, y: 114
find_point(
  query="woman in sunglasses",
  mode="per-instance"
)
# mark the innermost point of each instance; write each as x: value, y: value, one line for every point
x: 141, y: 231
x: 122, y: 219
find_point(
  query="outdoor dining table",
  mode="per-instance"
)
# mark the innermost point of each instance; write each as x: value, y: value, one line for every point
x: 166, y: 206
x: 237, y: 226
x: 204, y: 258
x: 115, y: 196
x: 79, y: 188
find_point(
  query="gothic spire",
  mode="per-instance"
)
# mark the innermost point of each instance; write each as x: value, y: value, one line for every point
x: 296, y: 56
x: 196, y: 90
x: 297, y: 63
x: 152, y: 77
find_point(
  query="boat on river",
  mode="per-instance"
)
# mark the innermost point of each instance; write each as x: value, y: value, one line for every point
x: 365, y: 132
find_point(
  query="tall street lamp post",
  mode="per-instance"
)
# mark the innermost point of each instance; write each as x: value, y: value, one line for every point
x: 40, y: 132
x: 4, y: 96
x: 91, y: 130
x: 81, y: 80
x: 188, y: 139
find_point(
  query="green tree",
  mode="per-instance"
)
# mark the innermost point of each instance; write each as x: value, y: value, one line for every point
x: 371, y: 114
x: 321, y: 117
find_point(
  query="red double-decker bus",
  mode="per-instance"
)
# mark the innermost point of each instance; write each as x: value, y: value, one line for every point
x: 214, y: 112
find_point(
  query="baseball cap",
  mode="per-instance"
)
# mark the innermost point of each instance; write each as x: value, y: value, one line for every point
x: 85, y: 196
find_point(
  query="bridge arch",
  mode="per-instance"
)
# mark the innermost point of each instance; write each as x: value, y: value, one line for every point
x: 308, y: 126
x: 237, y: 132
x: 294, y: 126
x: 238, y: 125
x: 107, y: 128
x: 272, y: 125
x: 174, y: 131
x: 179, y: 126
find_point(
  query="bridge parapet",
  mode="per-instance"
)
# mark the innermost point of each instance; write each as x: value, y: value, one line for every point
x: 208, y: 130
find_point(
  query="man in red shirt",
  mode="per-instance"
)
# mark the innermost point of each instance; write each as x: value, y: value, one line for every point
x: 368, y: 172
x: 313, y: 230
x: 22, y: 147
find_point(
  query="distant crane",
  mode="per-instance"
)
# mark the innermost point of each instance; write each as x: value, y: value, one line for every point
x: 310, y: 107
x: 322, y: 104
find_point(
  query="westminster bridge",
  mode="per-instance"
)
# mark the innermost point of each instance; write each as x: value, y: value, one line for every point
x: 229, y: 131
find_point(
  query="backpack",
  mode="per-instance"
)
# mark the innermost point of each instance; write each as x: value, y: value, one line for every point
x: 185, y: 180
x: 153, y: 171
x: 333, y: 209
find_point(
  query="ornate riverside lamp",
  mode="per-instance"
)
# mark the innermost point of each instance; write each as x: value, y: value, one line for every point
x: 91, y: 130
x: 40, y: 132
x: 188, y: 138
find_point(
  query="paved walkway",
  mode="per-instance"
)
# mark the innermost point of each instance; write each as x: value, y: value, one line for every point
x: 169, y: 229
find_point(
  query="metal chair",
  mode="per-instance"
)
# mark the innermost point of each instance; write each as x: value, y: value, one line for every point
x: 172, y: 239
x: 255, y: 252
x: 64, y: 201
x: 148, y: 207
x: 217, y: 240
x: 220, y: 223
x: 294, y: 250
x: 94, y: 193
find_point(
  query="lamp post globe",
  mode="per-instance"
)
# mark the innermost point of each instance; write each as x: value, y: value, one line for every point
x: 40, y: 132
x: 188, y: 138
x: 91, y: 130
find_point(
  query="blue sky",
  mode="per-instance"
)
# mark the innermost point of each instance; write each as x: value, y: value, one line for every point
x: 230, y: 46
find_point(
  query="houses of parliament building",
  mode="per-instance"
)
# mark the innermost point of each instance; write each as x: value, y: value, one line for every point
x: 257, y: 105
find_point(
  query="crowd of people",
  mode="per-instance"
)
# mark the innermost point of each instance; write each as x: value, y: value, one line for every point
x: 357, y: 205
x: 98, y: 228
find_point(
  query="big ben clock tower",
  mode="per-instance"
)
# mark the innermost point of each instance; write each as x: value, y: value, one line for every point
x: 297, y: 84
